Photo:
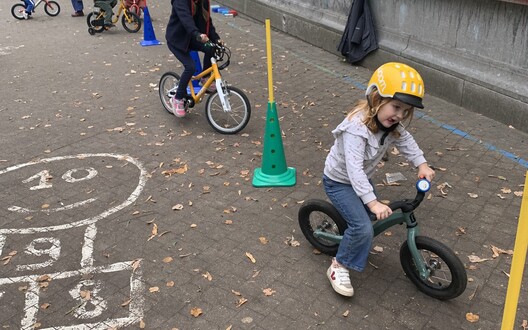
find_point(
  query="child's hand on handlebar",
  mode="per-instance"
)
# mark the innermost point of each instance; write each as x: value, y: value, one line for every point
x: 381, y: 210
x: 424, y: 171
x: 204, y: 38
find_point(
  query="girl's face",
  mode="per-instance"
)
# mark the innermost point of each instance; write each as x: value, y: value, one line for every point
x: 393, y: 112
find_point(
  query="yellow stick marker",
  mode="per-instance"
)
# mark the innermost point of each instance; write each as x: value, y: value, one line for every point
x: 270, y: 65
x: 517, y: 267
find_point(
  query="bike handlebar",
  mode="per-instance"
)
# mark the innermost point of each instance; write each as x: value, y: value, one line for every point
x: 407, y: 205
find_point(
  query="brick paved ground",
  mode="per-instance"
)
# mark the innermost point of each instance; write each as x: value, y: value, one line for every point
x: 83, y: 225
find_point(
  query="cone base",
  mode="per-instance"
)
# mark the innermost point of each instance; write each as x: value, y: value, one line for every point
x: 286, y: 179
x: 150, y: 42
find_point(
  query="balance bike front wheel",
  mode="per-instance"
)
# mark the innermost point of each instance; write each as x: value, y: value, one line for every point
x: 316, y: 214
x: 447, y: 278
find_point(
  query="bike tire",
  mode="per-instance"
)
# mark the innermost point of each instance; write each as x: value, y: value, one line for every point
x: 228, y: 122
x: 131, y: 24
x: 52, y: 8
x: 95, y: 28
x: 167, y: 89
x: 449, y: 284
x: 319, y: 214
x: 18, y: 10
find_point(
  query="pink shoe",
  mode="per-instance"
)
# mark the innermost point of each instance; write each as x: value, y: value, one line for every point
x: 178, y: 107
x: 212, y: 88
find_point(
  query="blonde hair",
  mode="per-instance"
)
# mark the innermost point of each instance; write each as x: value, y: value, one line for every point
x: 371, y: 109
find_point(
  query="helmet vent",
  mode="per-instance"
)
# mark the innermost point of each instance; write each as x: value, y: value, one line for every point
x: 404, y: 86
x: 413, y: 87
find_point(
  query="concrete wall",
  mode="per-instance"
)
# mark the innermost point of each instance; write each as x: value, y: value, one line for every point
x: 472, y: 53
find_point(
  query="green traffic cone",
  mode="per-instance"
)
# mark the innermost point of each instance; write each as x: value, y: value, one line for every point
x: 274, y: 171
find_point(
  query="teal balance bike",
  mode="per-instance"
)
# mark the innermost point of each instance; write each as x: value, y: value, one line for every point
x: 432, y: 266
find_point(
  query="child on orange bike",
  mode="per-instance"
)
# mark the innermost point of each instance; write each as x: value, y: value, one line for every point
x: 361, y: 140
x: 190, y: 27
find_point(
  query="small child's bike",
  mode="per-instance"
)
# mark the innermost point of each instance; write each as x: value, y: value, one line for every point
x: 95, y: 20
x: 51, y: 7
x: 227, y: 109
x: 432, y: 266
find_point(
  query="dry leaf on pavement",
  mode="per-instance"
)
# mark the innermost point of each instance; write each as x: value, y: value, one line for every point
x: 475, y: 259
x: 250, y: 256
x: 497, y: 251
x: 472, y: 317
x: 268, y: 292
x: 196, y: 311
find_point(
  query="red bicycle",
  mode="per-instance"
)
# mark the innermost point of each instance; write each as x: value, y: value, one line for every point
x: 51, y: 7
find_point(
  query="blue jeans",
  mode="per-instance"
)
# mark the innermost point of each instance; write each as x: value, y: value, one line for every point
x: 29, y: 6
x: 357, y: 240
x: 188, y: 64
x: 77, y: 5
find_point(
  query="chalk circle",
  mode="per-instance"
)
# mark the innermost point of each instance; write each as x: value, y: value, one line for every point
x: 77, y: 175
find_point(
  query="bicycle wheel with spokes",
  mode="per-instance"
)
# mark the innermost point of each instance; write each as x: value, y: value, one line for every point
x: 447, y: 278
x: 18, y: 10
x: 167, y: 89
x: 228, y: 122
x: 52, y: 8
x: 316, y: 214
x: 131, y: 22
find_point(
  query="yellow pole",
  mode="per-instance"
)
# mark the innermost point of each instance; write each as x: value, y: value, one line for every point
x: 517, y: 267
x: 268, y: 52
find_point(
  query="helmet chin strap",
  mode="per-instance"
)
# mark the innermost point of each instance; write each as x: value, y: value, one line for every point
x: 386, y: 130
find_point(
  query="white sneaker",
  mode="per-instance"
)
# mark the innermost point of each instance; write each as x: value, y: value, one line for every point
x: 26, y: 16
x: 340, y: 279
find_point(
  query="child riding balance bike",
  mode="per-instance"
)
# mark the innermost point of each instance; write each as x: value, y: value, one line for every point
x: 361, y: 140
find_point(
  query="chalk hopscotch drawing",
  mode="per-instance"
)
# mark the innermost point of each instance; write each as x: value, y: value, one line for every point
x: 41, y: 229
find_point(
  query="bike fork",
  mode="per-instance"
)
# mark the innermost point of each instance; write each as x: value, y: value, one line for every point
x: 223, y: 95
x: 417, y: 257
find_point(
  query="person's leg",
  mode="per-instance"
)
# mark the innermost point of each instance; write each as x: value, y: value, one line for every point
x: 77, y: 6
x: 105, y: 6
x: 30, y: 5
x: 208, y: 53
x: 357, y: 240
x: 188, y: 71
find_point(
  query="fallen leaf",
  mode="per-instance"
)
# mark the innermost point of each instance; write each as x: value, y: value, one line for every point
x: 195, y: 311
x: 241, y: 301
x: 177, y: 207
x: 142, y: 324
x: 125, y: 303
x: 250, y: 256
x: 236, y: 293
x: 263, y: 240
x: 154, y: 232
x: 524, y: 324
x: 268, y: 292
x: 154, y: 289
x: 345, y: 314
x: 472, y: 195
x: 378, y: 249
x: 170, y: 284
x: 497, y: 251
x: 475, y: 259
x: 45, y: 306
x: 167, y: 259
x: 505, y: 190
x: 472, y: 317
x: 208, y: 276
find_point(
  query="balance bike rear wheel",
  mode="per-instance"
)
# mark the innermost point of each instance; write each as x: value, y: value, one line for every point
x: 318, y: 214
x: 448, y: 278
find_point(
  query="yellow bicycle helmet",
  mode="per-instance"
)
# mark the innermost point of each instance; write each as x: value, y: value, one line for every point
x: 398, y: 81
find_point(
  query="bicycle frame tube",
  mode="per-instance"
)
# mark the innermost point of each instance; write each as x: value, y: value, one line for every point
x: 398, y: 218
x: 198, y: 96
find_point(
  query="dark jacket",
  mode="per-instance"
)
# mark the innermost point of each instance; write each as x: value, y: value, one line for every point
x: 187, y: 21
x: 358, y: 38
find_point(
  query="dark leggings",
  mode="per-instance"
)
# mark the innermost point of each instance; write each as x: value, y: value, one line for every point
x: 188, y: 63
